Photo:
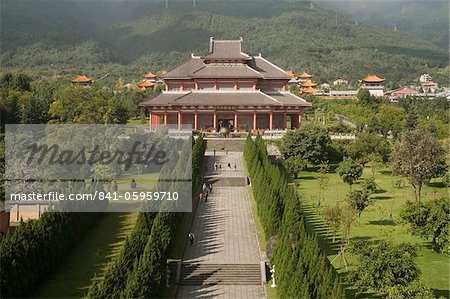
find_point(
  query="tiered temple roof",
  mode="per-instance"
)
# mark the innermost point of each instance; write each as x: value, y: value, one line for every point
x: 305, y: 75
x: 252, y: 98
x: 226, y: 88
x: 372, y: 79
x: 226, y: 60
x: 81, y: 79
x: 149, y: 75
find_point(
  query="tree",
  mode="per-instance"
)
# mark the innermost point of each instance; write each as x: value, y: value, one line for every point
x: 323, y: 179
x: 374, y: 161
x: 350, y: 171
x: 347, y: 219
x: 332, y: 217
x: 415, y: 290
x: 75, y: 104
x: 369, y: 185
x: 15, y: 81
x: 311, y: 142
x: 420, y: 157
x: 117, y: 113
x: 429, y: 219
x: 367, y: 144
x: 391, y: 119
x: 294, y: 165
x: 364, y: 96
x: 411, y: 119
x: 358, y: 201
x: 383, y: 266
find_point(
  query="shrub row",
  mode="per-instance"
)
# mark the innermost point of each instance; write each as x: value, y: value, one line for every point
x: 35, y: 247
x: 139, y: 270
x: 301, y: 270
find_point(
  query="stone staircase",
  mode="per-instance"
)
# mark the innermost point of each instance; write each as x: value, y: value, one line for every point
x: 220, y: 274
x: 224, y: 144
x: 227, y: 181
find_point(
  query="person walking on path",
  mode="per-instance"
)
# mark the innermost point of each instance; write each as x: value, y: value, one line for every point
x: 229, y: 165
x: 200, y: 196
x: 204, y: 187
x: 191, y: 239
x: 235, y: 166
x: 206, y: 197
x: 210, y: 187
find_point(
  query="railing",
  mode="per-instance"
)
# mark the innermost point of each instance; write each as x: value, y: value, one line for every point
x: 343, y: 136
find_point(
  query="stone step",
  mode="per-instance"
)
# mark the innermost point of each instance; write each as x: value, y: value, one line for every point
x: 226, y: 274
x: 224, y: 144
x: 227, y: 181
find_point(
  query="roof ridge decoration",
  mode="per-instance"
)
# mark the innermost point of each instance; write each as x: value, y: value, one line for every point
x: 266, y: 94
x: 220, y: 50
x: 182, y: 96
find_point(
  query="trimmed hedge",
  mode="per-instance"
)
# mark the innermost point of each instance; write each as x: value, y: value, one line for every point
x: 301, y: 270
x: 139, y: 270
x: 36, y: 247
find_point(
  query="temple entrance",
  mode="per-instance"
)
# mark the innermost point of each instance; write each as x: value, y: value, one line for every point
x: 225, y: 123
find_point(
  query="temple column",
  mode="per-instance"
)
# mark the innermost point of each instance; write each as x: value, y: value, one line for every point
x: 180, y: 119
x: 196, y: 120
x: 235, y: 120
x: 254, y: 120
x: 299, y: 119
x: 165, y: 118
x: 215, y: 120
x: 150, y: 120
x: 271, y: 120
x: 284, y: 120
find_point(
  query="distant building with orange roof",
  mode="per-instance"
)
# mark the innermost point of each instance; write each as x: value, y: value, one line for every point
x: 149, y: 76
x: 81, y: 80
x: 305, y: 77
x: 309, y: 90
x: 374, y: 84
x: 305, y: 83
x: 290, y: 73
x: 144, y: 85
x: 308, y: 84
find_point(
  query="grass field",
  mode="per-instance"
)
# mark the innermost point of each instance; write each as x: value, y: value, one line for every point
x: 378, y: 221
x: 73, y: 277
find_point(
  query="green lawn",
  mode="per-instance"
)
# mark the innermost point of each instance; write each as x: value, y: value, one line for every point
x: 137, y: 121
x: 73, y: 277
x: 380, y: 220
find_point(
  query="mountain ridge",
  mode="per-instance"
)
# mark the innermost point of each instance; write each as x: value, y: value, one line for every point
x: 128, y: 38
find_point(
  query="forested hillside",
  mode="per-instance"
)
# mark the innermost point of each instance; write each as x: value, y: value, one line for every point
x: 128, y: 38
x: 426, y: 19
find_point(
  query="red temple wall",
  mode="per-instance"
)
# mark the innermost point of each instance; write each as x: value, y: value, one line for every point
x: 205, y: 121
x: 245, y: 121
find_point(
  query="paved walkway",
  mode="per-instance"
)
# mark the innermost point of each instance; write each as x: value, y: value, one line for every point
x: 225, y: 232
